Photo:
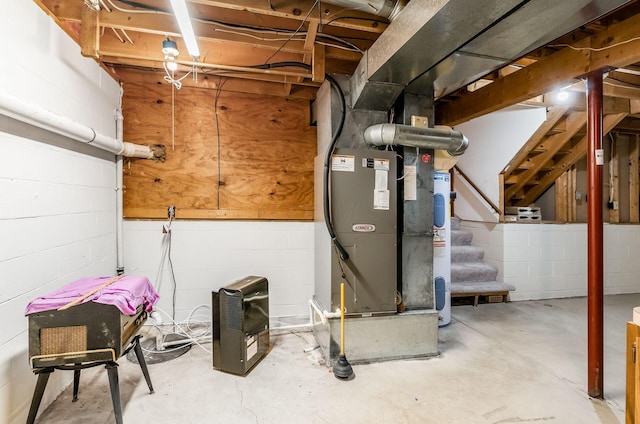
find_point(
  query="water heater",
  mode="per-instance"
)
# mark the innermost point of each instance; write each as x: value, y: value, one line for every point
x: 442, y: 245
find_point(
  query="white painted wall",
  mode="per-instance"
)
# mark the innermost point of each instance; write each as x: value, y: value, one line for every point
x: 548, y: 261
x: 208, y: 255
x: 494, y: 140
x: 57, y: 205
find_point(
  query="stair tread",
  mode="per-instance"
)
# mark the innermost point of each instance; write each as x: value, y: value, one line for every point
x: 466, y: 253
x: 461, y: 237
x: 466, y: 248
x: 475, y: 265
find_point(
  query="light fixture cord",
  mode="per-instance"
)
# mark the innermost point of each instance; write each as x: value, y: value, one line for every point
x: 173, y: 115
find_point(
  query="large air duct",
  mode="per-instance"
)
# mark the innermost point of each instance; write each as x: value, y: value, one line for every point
x: 426, y: 138
x: 386, y: 8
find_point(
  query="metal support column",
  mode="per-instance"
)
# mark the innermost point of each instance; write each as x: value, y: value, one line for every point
x: 595, y: 162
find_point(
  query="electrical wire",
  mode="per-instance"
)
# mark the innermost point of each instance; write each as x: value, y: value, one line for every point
x: 294, y: 32
x: 215, y: 108
x: 184, y: 328
x: 170, y: 77
x: 143, y: 8
x: 344, y: 255
x: 595, y: 49
x: 166, y: 255
x: 344, y: 45
x: 629, y: 87
x: 357, y: 18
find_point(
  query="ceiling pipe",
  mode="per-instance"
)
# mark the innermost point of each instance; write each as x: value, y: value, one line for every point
x: 426, y: 138
x: 386, y: 8
x: 33, y: 114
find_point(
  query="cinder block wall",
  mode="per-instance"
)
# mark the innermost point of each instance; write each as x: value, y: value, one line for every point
x: 57, y: 204
x: 550, y: 260
x: 207, y: 255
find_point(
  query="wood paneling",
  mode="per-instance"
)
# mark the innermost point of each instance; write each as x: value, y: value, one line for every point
x: 255, y: 161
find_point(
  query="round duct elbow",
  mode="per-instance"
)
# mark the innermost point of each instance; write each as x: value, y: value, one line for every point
x: 426, y: 138
x: 386, y: 8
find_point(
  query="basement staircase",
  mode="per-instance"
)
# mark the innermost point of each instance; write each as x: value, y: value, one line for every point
x: 553, y: 150
x: 470, y: 276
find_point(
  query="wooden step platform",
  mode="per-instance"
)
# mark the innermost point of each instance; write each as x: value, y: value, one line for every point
x: 476, y: 298
x: 475, y: 292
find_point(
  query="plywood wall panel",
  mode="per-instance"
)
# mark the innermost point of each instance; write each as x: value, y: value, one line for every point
x: 266, y: 149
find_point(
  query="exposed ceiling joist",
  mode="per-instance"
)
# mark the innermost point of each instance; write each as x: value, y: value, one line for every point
x: 298, y: 10
x: 588, y: 55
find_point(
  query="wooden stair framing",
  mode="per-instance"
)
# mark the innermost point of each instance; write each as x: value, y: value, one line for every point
x: 550, y: 152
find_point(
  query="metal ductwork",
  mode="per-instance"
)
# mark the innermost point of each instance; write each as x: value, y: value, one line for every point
x: 425, y: 138
x: 386, y: 8
x: 445, y: 44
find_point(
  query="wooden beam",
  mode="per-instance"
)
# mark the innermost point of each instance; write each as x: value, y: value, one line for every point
x: 573, y: 184
x: 634, y: 179
x: 224, y: 83
x: 310, y: 38
x: 549, y: 73
x: 165, y: 25
x: 614, y: 178
x: 318, y: 64
x: 577, y: 153
x: 575, y: 122
x: 553, y: 116
x: 90, y: 33
x: 501, y: 203
x: 298, y: 9
x: 561, y: 197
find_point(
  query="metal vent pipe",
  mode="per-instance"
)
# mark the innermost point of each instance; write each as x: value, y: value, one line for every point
x: 386, y: 8
x: 427, y: 138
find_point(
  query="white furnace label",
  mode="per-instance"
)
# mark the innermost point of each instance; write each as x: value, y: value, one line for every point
x: 343, y: 163
x: 381, y: 200
x: 381, y: 164
x: 382, y: 180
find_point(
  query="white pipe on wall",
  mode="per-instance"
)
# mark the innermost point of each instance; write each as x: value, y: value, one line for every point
x: 119, y: 194
x: 37, y: 116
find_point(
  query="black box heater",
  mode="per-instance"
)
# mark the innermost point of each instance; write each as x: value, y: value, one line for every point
x: 240, y: 325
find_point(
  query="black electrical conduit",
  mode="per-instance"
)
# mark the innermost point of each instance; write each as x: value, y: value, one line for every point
x: 327, y: 159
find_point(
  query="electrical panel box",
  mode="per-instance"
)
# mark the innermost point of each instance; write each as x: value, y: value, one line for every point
x: 364, y: 216
x: 240, y: 325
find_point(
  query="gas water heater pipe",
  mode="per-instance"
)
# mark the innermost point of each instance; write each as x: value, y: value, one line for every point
x: 453, y: 142
x: 36, y: 115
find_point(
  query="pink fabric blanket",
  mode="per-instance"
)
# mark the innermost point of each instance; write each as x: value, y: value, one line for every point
x: 126, y: 294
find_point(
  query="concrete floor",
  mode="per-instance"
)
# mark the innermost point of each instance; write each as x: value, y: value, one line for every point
x: 499, y: 363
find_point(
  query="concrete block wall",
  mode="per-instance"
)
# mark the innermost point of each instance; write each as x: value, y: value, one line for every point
x: 57, y: 205
x: 550, y: 260
x: 208, y: 255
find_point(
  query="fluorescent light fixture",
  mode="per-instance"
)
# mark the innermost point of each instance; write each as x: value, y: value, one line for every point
x: 184, y: 22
